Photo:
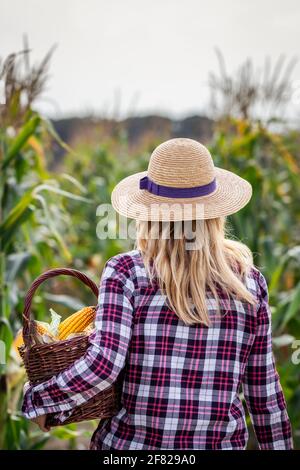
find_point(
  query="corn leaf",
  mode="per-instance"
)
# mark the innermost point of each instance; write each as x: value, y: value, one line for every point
x: 50, y: 128
x: 62, y: 192
x: 7, y: 232
x: 65, y: 300
x: 15, y: 264
x: 21, y: 139
x: 294, y: 307
x: 59, y: 239
x: 74, y: 181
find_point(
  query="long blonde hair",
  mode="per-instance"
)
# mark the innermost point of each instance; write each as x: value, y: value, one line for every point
x: 185, y: 272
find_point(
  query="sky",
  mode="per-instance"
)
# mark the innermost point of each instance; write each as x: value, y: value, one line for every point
x: 129, y: 57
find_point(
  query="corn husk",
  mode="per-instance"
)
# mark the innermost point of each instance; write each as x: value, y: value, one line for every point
x: 47, y: 333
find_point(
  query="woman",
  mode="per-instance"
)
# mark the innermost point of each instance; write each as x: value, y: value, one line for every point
x: 185, y: 316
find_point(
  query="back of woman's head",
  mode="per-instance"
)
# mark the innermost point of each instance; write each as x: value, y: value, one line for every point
x: 188, y: 259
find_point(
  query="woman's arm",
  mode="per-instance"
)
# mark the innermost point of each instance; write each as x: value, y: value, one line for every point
x: 262, y: 389
x: 99, y: 368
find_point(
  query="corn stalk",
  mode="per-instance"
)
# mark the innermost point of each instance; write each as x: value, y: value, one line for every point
x: 29, y: 194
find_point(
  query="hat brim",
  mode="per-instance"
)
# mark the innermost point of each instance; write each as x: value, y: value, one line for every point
x: 231, y: 195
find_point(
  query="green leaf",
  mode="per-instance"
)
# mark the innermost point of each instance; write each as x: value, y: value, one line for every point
x: 67, y: 194
x: 17, y: 211
x: 59, y: 239
x: 27, y: 130
x: 294, y: 306
x: 15, y: 264
x: 276, y: 276
x: 39, y: 444
x: 15, y: 219
x: 52, y: 131
x: 74, y: 181
x: 66, y: 300
x: 64, y: 433
x: 6, y: 335
x: 283, y: 340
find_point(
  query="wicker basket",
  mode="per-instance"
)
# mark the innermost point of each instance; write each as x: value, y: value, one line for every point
x: 46, y: 360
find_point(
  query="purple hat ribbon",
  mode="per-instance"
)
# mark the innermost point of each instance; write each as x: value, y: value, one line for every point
x: 172, y: 192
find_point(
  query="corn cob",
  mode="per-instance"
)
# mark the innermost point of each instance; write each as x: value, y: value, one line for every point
x: 77, y: 322
x: 19, y: 342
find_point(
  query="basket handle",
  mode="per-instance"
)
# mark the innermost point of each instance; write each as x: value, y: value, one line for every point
x: 28, y: 326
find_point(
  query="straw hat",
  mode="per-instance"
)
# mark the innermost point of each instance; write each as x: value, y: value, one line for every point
x: 181, y: 183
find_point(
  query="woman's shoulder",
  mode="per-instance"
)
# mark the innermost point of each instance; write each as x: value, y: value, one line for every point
x: 257, y: 283
x: 126, y: 260
x: 128, y: 264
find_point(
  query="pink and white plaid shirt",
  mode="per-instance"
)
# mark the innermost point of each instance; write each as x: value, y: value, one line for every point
x: 182, y: 383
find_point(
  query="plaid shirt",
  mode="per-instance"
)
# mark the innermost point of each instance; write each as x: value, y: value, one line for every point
x: 182, y: 383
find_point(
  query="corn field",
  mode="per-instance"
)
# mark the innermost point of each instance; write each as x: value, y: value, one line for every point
x: 48, y: 219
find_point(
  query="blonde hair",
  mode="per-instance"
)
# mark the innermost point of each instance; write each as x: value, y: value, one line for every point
x: 188, y: 261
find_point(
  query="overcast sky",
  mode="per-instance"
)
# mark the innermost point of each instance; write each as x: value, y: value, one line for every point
x: 144, y: 56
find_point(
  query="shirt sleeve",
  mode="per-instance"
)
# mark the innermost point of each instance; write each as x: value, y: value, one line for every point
x: 99, y: 368
x: 262, y: 390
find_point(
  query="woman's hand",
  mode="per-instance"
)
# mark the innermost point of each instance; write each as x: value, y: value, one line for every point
x: 41, y: 422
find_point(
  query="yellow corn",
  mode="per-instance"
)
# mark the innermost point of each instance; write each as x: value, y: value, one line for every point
x: 77, y: 322
x: 18, y: 341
